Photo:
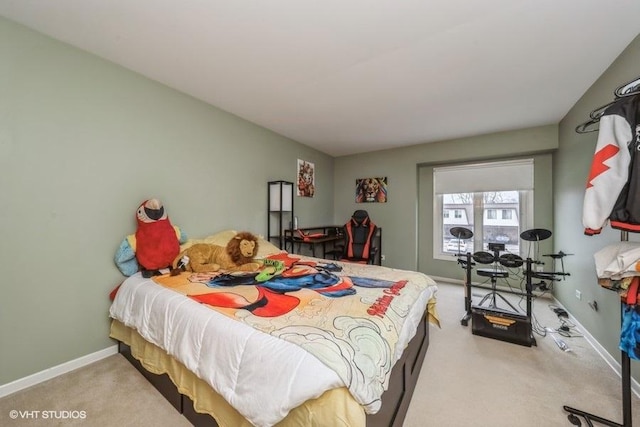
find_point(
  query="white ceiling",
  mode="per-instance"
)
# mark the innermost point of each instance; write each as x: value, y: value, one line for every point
x: 350, y: 76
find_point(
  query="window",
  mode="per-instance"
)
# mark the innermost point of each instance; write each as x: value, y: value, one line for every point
x: 496, y: 205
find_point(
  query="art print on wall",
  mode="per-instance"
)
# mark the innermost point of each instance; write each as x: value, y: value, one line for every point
x: 371, y: 190
x: 306, y: 179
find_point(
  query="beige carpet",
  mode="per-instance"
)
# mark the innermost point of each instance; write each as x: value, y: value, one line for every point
x: 110, y: 392
x: 466, y: 380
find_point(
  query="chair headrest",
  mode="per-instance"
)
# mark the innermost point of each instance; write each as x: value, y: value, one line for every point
x: 360, y: 217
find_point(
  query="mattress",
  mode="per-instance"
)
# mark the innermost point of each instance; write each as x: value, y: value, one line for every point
x: 335, y: 407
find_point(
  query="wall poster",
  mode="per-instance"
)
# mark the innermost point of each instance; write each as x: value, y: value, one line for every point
x: 371, y: 190
x: 306, y: 179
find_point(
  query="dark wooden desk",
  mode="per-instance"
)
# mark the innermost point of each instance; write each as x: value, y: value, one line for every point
x: 313, y: 241
x: 315, y: 236
x: 328, y: 234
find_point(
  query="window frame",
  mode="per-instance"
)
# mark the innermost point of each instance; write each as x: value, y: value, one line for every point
x: 525, y: 216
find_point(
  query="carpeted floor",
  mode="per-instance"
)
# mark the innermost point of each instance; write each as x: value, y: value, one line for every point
x: 105, y: 394
x: 466, y: 380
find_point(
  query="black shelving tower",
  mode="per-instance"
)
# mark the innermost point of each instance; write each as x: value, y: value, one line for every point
x: 279, y: 207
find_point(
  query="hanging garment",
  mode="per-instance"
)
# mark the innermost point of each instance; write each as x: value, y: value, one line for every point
x: 630, y: 331
x: 613, y: 186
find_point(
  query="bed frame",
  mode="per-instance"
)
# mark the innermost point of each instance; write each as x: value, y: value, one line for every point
x: 395, y: 401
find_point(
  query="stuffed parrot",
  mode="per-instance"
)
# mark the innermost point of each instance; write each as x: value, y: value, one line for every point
x: 154, y: 245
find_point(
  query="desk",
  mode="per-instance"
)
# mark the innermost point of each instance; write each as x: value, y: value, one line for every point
x: 317, y: 236
x: 333, y: 234
x: 313, y: 241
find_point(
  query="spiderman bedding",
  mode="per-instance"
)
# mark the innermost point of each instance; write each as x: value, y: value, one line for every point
x: 355, y: 320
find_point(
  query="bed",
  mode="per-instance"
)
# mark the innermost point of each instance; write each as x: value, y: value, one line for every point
x: 319, y: 343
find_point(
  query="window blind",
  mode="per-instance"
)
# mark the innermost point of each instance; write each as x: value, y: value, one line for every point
x: 494, y: 176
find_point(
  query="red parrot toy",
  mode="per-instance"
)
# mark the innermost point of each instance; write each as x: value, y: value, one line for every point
x: 157, y: 244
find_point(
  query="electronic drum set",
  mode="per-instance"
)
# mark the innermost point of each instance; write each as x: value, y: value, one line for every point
x: 500, y: 264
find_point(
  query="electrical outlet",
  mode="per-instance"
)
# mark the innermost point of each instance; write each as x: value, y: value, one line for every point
x: 578, y: 294
x: 383, y: 257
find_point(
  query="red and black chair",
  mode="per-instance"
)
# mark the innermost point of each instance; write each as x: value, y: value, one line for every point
x: 359, y: 235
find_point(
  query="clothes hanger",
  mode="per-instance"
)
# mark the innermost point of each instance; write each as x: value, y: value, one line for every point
x: 628, y: 89
x: 589, y: 126
x: 631, y: 88
x: 598, y: 112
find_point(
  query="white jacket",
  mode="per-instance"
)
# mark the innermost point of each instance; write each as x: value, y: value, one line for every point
x: 613, y: 186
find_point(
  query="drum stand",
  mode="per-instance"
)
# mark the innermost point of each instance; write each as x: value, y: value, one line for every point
x: 522, y: 333
x: 466, y: 264
x: 494, y: 274
x: 462, y: 233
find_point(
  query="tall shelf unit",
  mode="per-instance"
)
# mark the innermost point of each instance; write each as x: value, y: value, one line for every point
x: 279, y: 211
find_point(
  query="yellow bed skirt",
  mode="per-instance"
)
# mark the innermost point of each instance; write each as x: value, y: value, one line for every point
x: 335, y: 407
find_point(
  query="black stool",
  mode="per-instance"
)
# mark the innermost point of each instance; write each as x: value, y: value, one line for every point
x: 494, y: 274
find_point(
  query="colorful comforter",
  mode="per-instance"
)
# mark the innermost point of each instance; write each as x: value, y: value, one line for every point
x: 323, y: 325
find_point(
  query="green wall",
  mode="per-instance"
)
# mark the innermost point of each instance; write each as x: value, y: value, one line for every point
x: 407, y: 217
x: 571, y: 168
x: 82, y: 143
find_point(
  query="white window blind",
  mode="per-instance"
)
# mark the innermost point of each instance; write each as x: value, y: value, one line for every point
x: 494, y: 176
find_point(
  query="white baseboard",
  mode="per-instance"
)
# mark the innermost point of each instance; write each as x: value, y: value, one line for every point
x: 47, y: 374
x: 447, y: 280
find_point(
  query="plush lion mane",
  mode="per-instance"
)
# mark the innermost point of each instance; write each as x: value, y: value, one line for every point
x: 234, y: 248
x: 237, y: 255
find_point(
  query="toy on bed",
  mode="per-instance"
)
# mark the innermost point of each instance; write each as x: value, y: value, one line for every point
x: 154, y: 245
x: 238, y: 255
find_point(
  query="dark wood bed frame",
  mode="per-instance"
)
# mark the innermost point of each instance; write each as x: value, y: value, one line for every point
x: 395, y: 401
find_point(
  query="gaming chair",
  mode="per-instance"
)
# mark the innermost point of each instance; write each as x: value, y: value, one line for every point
x: 358, y: 234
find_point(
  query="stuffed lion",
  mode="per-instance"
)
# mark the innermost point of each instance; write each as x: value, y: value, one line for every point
x: 238, y: 255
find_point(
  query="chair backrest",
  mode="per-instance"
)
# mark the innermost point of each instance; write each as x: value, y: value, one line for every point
x: 359, y: 233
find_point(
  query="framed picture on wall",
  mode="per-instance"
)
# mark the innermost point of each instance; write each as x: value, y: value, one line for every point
x: 306, y: 179
x: 371, y: 190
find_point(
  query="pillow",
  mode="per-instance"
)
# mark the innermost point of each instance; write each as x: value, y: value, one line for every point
x: 265, y: 248
x: 221, y: 239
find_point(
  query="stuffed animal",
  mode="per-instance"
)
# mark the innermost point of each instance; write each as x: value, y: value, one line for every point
x: 154, y: 245
x: 238, y: 255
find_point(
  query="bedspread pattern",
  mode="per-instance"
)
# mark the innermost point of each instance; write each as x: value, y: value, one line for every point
x: 356, y: 322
